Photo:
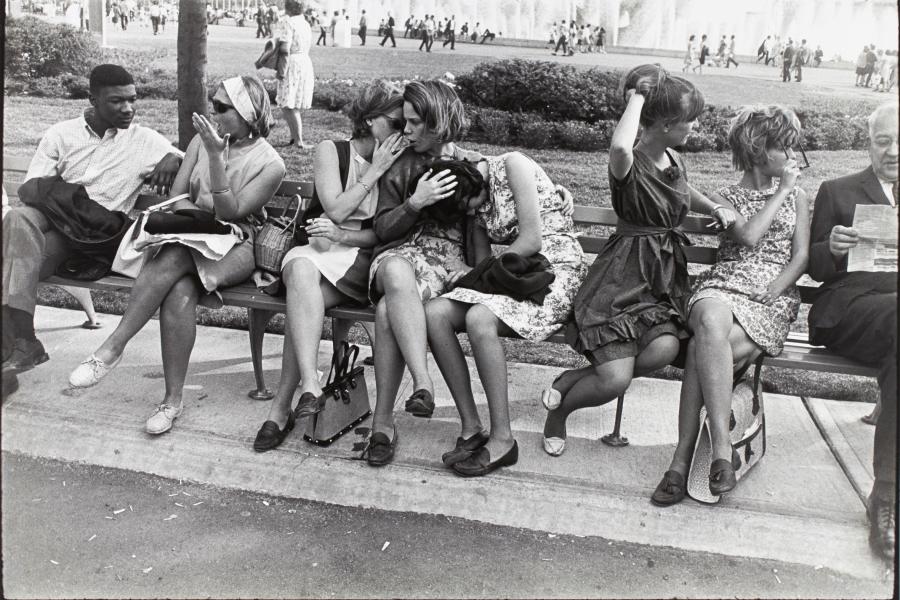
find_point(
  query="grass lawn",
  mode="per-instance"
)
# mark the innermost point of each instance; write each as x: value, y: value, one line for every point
x: 584, y: 173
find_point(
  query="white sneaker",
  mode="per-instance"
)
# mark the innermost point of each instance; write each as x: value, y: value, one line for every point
x: 554, y: 446
x: 91, y: 371
x: 161, y: 420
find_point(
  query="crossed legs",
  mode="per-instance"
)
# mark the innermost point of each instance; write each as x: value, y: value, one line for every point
x: 309, y: 295
x: 400, y: 339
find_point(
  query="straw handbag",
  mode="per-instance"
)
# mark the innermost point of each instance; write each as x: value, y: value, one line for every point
x: 275, y: 238
x: 747, y: 431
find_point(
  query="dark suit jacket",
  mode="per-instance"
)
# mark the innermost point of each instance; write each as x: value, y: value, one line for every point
x: 835, y: 205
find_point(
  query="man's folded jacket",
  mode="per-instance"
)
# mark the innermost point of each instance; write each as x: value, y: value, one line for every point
x: 513, y: 275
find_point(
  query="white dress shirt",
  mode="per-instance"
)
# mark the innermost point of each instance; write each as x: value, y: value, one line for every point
x: 112, y: 168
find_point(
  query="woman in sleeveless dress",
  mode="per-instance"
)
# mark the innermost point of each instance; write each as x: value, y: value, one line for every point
x: 333, y: 268
x: 631, y: 309
x: 230, y: 170
x: 519, y: 208
x: 295, y: 89
x: 744, y: 305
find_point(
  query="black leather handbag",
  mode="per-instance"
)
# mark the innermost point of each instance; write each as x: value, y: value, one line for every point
x: 344, y: 402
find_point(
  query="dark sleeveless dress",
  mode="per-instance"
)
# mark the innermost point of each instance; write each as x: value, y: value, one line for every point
x: 638, y: 287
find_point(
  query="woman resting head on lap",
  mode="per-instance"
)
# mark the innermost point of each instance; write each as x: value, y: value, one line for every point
x: 630, y: 312
x: 231, y: 171
x: 514, y: 204
x: 334, y: 267
x: 416, y: 254
x: 744, y: 305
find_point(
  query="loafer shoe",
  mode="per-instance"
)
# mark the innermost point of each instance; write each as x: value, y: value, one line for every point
x: 91, y: 371
x: 721, y: 476
x: 308, y: 405
x: 671, y: 490
x: 270, y: 436
x: 554, y: 446
x: 161, y: 420
x: 480, y: 462
x: 380, y: 450
x: 420, y: 404
x: 464, y: 448
x: 26, y: 355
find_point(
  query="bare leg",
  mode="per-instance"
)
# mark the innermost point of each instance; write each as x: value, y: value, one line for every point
x: 608, y: 381
x: 83, y: 296
x: 178, y: 330
x: 720, y: 343
x: 483, y: 328
x: 445, y: 318
x: 287, y: 385
x: 291, y: 119
x: 151, y: 288
x: 688, y: 414
x: 308, y: 296
x: 406, y: 318
x: 388, y: 371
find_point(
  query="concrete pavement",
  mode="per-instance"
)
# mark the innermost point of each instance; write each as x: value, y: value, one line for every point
x: 801, y: 504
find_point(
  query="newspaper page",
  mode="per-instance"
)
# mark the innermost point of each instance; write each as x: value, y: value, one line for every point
x: 877, y: 248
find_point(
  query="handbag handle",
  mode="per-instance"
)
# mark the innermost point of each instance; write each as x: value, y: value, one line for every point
x: 756, y: 379
x: 293, y: 222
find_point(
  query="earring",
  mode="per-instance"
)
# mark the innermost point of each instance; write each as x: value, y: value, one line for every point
x: 665, y: 130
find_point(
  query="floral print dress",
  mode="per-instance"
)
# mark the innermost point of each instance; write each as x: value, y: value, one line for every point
x: 559, y: 245
x: 741, y: 271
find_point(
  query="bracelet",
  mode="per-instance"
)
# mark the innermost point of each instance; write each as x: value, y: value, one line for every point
x: 718, y: 207
x: 222, y: 191
x: 368, y: 188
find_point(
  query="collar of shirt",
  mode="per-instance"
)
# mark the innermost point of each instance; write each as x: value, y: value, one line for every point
x: 111, y: 132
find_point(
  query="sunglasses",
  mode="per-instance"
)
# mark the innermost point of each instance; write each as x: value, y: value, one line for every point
x: 395, y: 123
x: 221, y: 107
x: 804, y: 164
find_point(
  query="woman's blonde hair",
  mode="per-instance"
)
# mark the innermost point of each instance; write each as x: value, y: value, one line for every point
x: 439, y: 107
x: 260, y: 99
x: 756, y: 129
x: 667, y: 98
x: 378, y: 98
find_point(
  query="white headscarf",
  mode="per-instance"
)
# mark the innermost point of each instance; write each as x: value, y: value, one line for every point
x: 240, y: 99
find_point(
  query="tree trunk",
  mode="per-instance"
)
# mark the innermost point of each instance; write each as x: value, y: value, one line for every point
x: 192, y: 93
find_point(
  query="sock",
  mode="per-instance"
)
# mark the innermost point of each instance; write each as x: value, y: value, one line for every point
x: 22, y: 323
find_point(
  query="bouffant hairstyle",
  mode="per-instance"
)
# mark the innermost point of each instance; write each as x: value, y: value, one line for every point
x: 756, y: 129
x: 469, y: 183
x: 439, y: 107
x: 378, y: 98
x: 260, y: 99
x: 668, y: 98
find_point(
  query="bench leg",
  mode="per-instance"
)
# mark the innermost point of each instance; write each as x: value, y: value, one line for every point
x: 614, y: 439
x: 258, y: 319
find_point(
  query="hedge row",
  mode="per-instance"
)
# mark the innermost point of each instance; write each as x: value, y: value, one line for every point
x: 510, y: 102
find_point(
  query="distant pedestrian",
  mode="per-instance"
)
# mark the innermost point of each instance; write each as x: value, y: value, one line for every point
x: 704, y: 52
x: 601, y: 40
x: 763, y: 51
x: 410, y: 22
x: 817, y: 56
x: 801, y: 57
x: 450, y: 33
x: 489, y: 35
x: 323, y: 33
x: 720, y: 51
x: 690, y: 54
x: 787, y: 60
x: 389, y: 32
x: 861, y: 66
x: 871, y: 59
x: 562, y: 41
x: 730, y: 54
x: 362, y: 28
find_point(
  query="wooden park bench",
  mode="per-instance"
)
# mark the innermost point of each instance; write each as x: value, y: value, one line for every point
x: 261, y: 307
